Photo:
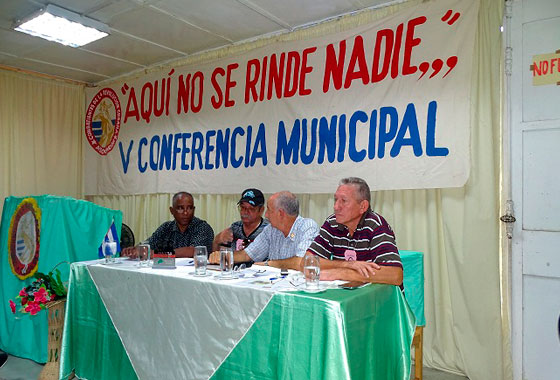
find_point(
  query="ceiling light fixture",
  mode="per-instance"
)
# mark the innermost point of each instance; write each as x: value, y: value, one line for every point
x: 63, y: 26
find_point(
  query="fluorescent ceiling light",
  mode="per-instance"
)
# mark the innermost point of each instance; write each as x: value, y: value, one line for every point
x: 60, y: 25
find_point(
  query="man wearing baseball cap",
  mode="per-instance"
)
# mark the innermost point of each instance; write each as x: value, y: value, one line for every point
x: 241, y: 233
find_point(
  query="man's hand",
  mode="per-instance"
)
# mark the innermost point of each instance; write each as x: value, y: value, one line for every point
x: 226, y: 236
x: 366, y: 269
x: 131, y: 252
x: 214, y: 258
x: 223, y: 238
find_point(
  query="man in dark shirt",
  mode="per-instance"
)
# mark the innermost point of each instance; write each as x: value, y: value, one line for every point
x: 183, y: 233
x: 356, y: 243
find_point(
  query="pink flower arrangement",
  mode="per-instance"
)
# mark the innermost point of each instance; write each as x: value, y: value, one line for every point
x: 34, y: 297
x: 40, y: 295
x: 33, y: 307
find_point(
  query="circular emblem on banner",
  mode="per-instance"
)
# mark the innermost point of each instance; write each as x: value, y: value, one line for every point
x: 103, y: 121
x: 23, y: 239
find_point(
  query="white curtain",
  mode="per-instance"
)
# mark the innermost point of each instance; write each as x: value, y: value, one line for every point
x: 40, y: 136
x: 457, y: 229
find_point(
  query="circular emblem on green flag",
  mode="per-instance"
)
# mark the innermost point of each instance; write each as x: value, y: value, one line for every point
x: 23, y: 238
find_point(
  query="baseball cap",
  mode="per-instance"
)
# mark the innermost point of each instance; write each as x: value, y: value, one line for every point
x: 252, y: 196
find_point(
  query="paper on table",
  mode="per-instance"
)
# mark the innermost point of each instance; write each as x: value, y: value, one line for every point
x: 184, y: 262
x: 271, y: 280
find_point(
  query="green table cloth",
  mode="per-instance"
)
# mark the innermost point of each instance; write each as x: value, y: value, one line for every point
x: 338, y: 334
x: 413, y: 272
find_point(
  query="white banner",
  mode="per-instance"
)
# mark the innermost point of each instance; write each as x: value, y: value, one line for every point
x: 388, y: 102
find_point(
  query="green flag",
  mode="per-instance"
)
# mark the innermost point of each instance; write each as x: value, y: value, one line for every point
x: 36, y: 234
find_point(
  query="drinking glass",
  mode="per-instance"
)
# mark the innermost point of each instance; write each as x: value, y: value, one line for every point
x: 226, y: 262
x: 143, y: 255
x: 109, y: 249
x: 200, y: 260
x: 311, y: 271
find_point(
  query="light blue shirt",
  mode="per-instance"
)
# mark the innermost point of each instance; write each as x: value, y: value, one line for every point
x: 271, y: 244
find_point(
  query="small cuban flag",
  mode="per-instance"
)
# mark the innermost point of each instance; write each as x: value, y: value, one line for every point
x: 111, y: 235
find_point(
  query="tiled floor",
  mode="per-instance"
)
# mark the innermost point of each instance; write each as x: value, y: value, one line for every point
x: 23, y: 369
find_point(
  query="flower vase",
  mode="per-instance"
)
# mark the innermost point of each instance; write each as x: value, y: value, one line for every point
x: 55, y: 310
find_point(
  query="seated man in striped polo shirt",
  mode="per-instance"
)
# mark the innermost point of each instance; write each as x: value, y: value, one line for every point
x: 356, y: 243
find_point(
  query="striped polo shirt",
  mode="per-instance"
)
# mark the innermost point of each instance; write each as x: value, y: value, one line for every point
x: 373, y: 240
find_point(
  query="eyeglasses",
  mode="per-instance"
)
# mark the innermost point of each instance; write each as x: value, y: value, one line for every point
x: 250, y: 209
x: 182, y: 209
